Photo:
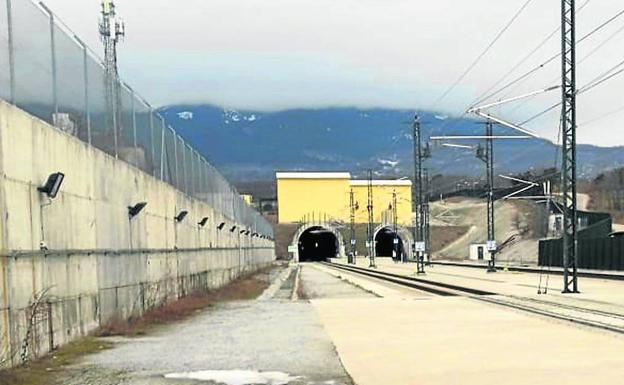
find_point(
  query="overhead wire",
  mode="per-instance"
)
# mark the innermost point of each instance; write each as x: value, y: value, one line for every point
x: 597, y: 81
x: 554, y: 57
x: 482, y: 54
x: 582, y: 60
x: 481, y: 98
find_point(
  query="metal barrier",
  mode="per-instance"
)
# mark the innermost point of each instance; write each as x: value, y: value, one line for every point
x: 46, y: 70
x: 597, y: 253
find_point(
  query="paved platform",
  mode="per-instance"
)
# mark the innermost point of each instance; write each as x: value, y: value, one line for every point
x: 457, y: 341
x: 460, y: 341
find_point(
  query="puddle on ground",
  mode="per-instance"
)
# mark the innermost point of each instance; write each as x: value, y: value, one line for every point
x: 236, y: 377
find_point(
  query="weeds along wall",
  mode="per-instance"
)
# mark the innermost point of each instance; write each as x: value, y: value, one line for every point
x: 100, y: 263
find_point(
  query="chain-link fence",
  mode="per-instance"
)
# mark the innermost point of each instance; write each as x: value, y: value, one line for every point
x: 49, y: 72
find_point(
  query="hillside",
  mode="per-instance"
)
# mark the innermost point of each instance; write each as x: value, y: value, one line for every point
x: 251, y: 145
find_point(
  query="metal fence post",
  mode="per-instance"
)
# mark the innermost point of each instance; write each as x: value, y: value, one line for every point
x: 113, y: 81
x: 152, y: 144
x: 87, y: 106
x: 134, y: 124
x: 11, y: 53
x: 184, y: 170
x: 53, y: 60
x: 175, y: 154
x: 163, y: 151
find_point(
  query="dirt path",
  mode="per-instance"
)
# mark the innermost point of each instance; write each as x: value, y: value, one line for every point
x: 260, y: 341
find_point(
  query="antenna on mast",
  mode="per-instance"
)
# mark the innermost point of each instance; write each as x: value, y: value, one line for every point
x: 112, y: 31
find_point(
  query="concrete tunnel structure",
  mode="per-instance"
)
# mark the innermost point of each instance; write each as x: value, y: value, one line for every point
x: 318, y: 242
x: 384, y: 237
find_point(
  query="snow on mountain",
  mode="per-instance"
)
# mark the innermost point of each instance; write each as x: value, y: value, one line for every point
x: 389, y: 163
x: 186, y: 115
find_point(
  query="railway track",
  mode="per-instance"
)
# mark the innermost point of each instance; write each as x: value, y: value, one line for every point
x: 593, y: 318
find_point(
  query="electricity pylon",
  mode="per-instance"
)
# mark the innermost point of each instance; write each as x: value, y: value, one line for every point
x: 420, y: 154
x: 568, y: 131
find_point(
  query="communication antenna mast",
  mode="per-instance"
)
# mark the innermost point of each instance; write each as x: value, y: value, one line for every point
x: 112, y: 31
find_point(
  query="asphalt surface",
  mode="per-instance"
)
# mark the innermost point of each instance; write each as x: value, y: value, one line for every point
x: 269, y: 341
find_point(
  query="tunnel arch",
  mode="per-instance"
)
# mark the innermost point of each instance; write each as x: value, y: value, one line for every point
x: 384, y: 241
x: 317, y: 242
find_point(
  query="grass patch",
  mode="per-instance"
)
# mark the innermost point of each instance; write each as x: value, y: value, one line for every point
x: 246, y: 288
x: 44, y: 370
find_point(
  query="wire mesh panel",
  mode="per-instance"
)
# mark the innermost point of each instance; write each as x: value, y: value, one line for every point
x: 189, y: 155
x: 32, y: 52
x: 144, y: 138
x: 158, y: 135
x: 170, y: 157
x: 70, y: 79
x: 5, y: 71
x: 207, y: 191
x: 125, y: 124
x: 180, y: 156
x: 101, y: 118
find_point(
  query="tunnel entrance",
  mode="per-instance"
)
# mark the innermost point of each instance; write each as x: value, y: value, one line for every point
x: 317, y: 244
x: 384, y: 243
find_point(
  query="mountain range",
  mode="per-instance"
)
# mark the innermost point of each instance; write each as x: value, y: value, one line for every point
x: 252, y: 145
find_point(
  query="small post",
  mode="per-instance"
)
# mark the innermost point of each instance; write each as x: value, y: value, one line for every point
x: 11, y: 52
x: 134, y: 126
x: 53, y: 59
x: 87, y: 106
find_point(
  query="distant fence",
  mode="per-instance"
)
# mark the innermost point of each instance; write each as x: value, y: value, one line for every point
x: 597, y: 253
x: 49, y: 72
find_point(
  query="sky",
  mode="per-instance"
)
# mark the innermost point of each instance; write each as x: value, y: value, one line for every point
x: 280, y: 54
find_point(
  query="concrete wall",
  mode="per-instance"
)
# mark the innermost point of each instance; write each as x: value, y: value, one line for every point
x: 100, y: 264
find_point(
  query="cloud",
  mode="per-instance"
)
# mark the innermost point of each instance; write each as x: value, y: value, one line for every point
x: 273, y: 54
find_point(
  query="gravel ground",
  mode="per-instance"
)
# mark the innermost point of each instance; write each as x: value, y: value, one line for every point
x: 269, y: 335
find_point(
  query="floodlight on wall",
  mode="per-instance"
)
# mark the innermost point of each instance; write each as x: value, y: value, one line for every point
x: 241, y: 232
x: 220, y: 227
x: 232, y: 229
x: 181, y: 215
x: 133, y: 211
x: 53, y: 185
x: 203, y: 222
x: 247, y: 232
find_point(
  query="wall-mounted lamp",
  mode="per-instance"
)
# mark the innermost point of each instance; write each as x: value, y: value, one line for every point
x: 220, y: 227
x: 53, y: 185
x: 180, y: 217
x: 133, y: 211
x: 254, y: 234
x: 232, y: 229
x: 247, y: 232
x: 203, y: 222
x: 241, y: 232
